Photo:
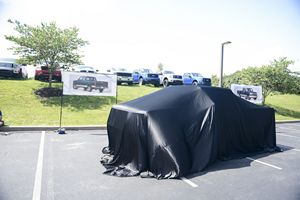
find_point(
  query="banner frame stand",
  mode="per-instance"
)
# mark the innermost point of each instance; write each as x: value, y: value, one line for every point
x: 61, y: 130
x: 117, y: 94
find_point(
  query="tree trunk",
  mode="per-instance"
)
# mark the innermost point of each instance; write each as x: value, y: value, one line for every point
x: 50, y: 79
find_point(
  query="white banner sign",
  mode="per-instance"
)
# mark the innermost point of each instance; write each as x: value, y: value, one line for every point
x: 249, y: 92
x: 89, y: 84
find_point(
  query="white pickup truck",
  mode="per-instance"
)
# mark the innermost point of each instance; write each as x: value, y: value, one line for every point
x: 9, y: 68
x: 170, y: 78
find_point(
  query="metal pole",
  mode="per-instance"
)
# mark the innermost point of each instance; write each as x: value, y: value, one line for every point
x: 117, y: 94
x: 61, y: 104
x: 221, y: 71
x: 222, y: 56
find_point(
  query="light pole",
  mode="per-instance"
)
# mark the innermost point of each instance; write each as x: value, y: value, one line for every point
x: 221, y: 72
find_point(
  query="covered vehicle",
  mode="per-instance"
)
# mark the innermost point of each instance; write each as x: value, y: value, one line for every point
x: 174, y: 137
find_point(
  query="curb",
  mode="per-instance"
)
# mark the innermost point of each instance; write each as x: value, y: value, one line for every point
x: 50, y: 128
x: 287, y: 121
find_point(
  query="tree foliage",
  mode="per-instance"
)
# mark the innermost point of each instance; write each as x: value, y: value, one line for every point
x: 214, y: 80
x: 160, y: 67
x: 46, y: 44
x: 275, y: 77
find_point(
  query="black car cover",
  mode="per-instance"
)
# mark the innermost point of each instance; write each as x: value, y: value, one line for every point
x: 181, y: 130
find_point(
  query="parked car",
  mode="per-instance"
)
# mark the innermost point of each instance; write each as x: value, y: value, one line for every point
x: 170, y: 78
x: 42, y: 73
x: 84, y: 68
x: 247, y: 93
x: 123, y: 76
x: 89, y: 83
x: 193, y: 78
x: 9, y: 68
x: 146, y: 76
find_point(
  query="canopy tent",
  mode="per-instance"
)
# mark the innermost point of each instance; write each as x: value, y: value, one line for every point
x: 183, y: 129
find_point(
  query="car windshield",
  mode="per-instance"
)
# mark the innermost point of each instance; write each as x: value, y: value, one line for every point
x: 122, y: 70
x: 168, y: 72
x: 146, y: 71
x: 196, y: 74
x: 3, y: 64
x: 85, y: 67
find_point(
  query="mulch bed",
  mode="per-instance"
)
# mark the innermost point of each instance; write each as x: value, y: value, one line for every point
x: 49, y: 92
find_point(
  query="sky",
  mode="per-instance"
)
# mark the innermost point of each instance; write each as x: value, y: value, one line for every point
x: 183, y: 35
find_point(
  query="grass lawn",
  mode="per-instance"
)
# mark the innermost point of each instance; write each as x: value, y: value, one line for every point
x: 287, y: 106
x: 20, y: 106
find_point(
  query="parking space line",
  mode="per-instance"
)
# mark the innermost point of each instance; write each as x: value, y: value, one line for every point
x: 291, y: 129
x: 39, y: 170
x: 264, y: 163
x: 189, y: 182
x: 287, y: 135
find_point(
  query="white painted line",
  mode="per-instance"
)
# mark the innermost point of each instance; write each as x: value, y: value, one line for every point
x: 296, y: 150
x: 39, y: 171
x: 264, y: 163
x: 291, y: 129
x: 189, y: 182
x: 287, y: 135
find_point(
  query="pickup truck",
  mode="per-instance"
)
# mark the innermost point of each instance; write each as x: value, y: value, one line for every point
x: 9, y: 68
x: 247, y: 93
x: 170, y: 78
x: 42, y: 73
x: 146, y: 76
x: 123, y: 76
x: 89, y: 83
x: 193, y: 78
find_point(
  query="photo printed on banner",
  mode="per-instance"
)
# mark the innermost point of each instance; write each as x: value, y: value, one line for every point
x: 248, y: 92
x: 89, y: 84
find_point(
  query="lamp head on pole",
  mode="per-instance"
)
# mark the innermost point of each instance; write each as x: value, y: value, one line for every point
x: 228, y: 42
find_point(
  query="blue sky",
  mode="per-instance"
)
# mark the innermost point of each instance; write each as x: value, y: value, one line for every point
x: 183, y: 35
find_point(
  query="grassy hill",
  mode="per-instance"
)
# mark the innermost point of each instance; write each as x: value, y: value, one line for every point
x: 20, y: 106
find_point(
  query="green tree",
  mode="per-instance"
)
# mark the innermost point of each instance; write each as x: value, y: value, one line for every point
x: 46, y: 43
x: 214, y: 80
x: 275, y: 77
x: 160, y: 67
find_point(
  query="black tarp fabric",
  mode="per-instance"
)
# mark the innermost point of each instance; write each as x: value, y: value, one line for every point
x: 181, y: 130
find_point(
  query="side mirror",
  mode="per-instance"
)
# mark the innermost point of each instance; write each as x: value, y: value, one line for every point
x: 190, y: 76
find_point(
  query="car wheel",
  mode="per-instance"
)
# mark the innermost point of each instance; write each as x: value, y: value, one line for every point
x: 101, y: 90
x: 130, y: 83
x: 156, y: 85
x: 90, y: 88
x: 141, y: 81
x: 195, y: 83
x: 165, y: 83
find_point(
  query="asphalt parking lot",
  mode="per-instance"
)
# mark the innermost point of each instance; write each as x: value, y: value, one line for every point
x: 45, y: 165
